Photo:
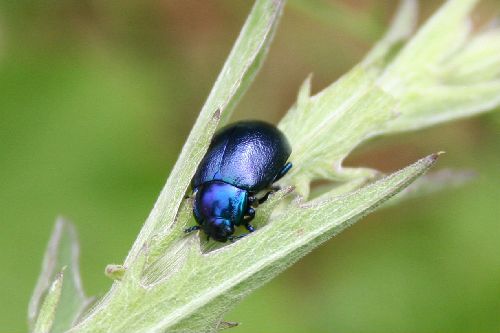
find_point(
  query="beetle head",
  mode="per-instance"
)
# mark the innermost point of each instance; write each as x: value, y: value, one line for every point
x: 218, y: 228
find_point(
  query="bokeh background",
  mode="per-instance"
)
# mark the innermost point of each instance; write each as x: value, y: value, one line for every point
x: 97, y: 97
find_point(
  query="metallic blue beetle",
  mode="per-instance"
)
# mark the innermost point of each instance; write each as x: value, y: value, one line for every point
x: 243, y: 159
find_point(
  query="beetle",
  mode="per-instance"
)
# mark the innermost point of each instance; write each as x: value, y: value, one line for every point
x: 242, y: 160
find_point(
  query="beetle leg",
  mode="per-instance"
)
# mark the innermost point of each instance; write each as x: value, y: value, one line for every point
x: 232, y: 239
x: 275, y: 188
x: 193, y: 194
x: 250, y: 214
x: 251, y: 200
x: 255, y: 202
x: 249, y: 227
x: 283, y: 171
x: 266, y: 196
x: 191, y: 229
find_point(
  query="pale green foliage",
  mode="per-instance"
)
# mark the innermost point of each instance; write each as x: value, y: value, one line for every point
x: 324, y: 128
x: 443, y: 73
x: 62, y: 253
x: 176, y: 283
x: 195, y: 290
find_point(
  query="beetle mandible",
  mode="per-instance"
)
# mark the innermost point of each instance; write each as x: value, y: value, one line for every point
x: 243, y: 159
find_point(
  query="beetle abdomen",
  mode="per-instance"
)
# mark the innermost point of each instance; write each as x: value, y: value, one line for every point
x: 247, y: 154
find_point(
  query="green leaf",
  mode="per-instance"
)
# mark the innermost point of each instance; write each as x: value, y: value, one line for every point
x: 324, y: 128
x: 62, y: 252
x: 444, y: 72
x: 255, y: 260
x: 477, y: 61
x: 431, y: 105
x: 239, y: 70
x: 442, y: 35
x: 396, y: 88
x: 197, y: 294
x: 47, y: 313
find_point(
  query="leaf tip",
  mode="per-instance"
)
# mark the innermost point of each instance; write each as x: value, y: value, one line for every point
x: 305, y: 91
x: 436, y: 155
x: 59, y: 277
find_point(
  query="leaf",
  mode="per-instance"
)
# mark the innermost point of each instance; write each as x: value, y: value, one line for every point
x: 396, y: 88
x: 477, y: 61
x: 444, y: 72
x: 62, y: 252
x: 440, y: 37
x: 254, y: 260
x: 239, y: 70
x: 431, y: 105
x: 197, y: 294
x: 47, y: 313
x: 324, y: 128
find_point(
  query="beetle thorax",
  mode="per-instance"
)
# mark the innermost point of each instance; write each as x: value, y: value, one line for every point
x: 219, y: 200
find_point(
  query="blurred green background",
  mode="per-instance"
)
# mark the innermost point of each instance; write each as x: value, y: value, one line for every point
x: 97, y: 97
